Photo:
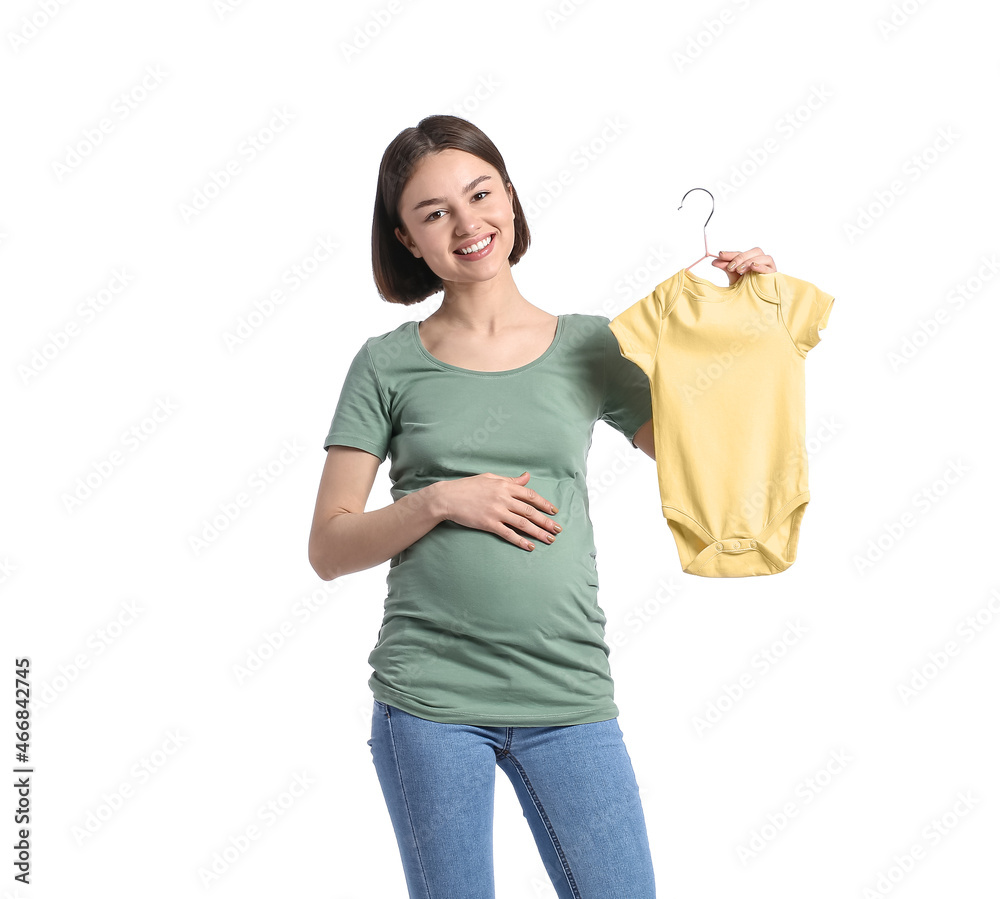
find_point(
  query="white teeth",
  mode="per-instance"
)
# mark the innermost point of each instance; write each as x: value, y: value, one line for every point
x: 476, y: 246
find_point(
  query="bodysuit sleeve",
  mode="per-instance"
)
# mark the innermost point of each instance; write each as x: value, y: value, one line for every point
x: 626, y: 402
x: 637, y: 329
x: 804, y: 309
x: 362, y: 417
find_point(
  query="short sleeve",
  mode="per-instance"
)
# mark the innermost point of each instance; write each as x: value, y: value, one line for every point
x: 804, y: 309
x: 637, y: 329
x: 626, y: 402
x: 362, y: 415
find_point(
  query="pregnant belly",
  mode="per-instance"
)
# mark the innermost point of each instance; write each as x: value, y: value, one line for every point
x: 474, y: 582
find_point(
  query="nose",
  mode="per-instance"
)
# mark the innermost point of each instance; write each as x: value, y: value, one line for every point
x: 466, y: 223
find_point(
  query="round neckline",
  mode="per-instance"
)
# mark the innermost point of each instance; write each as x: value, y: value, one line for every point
x: 415, y: 331
x: 726, y: 293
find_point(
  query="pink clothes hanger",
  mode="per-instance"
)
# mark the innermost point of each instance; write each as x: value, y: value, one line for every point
x: 704, y: 230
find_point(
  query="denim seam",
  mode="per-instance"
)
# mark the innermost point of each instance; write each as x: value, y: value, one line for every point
x: 545, y: 820
x: 409, y: 816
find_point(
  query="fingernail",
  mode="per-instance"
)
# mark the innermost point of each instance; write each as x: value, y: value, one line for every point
x: 554, y: 510
x: 558, y: 528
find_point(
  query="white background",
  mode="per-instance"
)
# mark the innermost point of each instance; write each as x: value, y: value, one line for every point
x: 800, y: 118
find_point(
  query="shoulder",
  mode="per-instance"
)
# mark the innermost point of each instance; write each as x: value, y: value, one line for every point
x: 388, y: 337
x: 769, y: 286
x: 383, y: 349
x: 587, y: 330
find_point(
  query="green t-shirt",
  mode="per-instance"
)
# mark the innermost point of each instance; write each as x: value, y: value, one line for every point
x: 477, y: 630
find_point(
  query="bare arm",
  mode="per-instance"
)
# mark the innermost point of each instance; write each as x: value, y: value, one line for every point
x: 344, y: 538
x: 643, y: 439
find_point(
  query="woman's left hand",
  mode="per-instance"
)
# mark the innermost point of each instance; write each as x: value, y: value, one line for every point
x: 736, y: 264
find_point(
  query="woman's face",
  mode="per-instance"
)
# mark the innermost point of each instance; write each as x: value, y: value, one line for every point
x: 453, y: 201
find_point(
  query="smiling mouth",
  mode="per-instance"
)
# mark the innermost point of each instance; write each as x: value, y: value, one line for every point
x: 476, y: 247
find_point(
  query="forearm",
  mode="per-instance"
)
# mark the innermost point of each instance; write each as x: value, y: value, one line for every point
x: 354, y: 541
x: 645, y: 440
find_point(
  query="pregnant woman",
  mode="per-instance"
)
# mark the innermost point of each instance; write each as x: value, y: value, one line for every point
x: 491, y: 651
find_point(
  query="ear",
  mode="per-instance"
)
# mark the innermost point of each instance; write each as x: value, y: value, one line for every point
x: 510, y: 196
x: 406, y: 242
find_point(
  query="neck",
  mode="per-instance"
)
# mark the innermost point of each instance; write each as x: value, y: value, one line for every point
x: 483, y: 306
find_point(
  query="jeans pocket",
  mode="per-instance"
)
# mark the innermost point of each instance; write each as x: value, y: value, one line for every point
x: 380, y: 711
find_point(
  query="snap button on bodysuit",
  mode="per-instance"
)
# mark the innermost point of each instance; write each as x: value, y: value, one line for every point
x: 719, y: 547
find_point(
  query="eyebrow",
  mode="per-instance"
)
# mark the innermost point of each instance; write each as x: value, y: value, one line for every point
x: 433, y: 200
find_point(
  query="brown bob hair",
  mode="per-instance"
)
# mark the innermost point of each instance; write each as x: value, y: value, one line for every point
x: 399, y: 276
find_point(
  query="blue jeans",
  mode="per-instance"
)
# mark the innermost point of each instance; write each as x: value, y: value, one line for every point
x: 575, y: 784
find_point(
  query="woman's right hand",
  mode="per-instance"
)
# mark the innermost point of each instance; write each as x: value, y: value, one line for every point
x: 490, y: 502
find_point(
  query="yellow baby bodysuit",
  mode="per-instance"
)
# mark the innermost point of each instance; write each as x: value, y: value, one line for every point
x: 726, y: 368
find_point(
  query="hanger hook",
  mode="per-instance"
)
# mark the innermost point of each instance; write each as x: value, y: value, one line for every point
x: 709, y: 215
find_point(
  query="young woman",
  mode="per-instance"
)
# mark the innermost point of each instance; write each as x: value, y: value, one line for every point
x: 491, y: 651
